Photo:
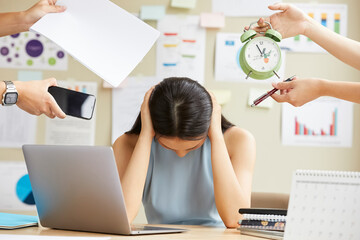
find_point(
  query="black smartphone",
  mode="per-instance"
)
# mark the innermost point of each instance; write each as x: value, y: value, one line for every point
x: 73, y: 103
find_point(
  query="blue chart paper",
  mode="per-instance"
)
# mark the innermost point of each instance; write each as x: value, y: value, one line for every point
x: 12, y: 221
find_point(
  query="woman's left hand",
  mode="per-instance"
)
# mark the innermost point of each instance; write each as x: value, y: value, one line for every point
x: 215, y: 123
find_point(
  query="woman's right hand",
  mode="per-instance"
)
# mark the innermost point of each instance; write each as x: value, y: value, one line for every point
x: 291, y: 21
x: 146, y: 123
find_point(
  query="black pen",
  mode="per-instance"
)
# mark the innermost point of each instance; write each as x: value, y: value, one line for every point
x: 268, y: 94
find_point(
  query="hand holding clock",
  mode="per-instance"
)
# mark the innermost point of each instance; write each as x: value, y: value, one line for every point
x: 292, y: 21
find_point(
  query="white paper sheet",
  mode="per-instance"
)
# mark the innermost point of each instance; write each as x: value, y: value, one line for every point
x: 126, y: 103
x: 14, y: 192
x: 332, y: 16
x: 29, y: 50
x: 325, y: 122
x: 243, y: 8
x: 44, y: 237
x: 71, y: 130
x: 227, y: 65
x: 101, y: 35
x: 181, y: 48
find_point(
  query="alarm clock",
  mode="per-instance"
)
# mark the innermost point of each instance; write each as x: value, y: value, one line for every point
x: 260, y: 57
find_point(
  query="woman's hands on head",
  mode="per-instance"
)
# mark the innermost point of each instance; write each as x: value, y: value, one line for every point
x: 146, y: 123
x: 215, y: 123
x: 289, y: 22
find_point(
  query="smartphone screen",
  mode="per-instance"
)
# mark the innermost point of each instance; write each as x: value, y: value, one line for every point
x: 73, y: 103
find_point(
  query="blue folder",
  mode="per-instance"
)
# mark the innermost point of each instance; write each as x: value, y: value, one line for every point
x: 14, y: 221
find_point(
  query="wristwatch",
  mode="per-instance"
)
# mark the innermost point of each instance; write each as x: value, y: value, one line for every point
x: 10, y: 95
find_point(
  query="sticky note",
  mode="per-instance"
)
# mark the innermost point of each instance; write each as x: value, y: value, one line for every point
x: 212, y: 20
x: 254, y: 93
x: 29, y: 75
x: 152, y: 12
x: 183, y: 3
x: 222, y: 96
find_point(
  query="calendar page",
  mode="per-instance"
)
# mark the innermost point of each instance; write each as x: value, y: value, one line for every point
x: 324, y: 205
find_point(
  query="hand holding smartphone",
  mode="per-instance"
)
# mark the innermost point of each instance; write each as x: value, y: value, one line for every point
x: 73, y: 103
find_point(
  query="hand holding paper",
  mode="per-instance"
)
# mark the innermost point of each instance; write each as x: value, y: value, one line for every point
x: 102, y: 36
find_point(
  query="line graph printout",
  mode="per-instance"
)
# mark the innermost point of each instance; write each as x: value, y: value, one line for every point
x: 326, y: 122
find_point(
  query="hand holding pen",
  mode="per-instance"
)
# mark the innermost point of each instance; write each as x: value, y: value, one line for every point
x: 268, y: 94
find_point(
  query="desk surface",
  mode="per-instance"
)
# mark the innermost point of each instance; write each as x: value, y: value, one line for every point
x: 195, y: 232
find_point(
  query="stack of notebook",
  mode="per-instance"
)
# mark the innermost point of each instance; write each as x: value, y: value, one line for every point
x: 269, y: 223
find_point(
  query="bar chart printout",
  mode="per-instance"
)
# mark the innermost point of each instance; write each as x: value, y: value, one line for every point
x: 323, y: 122
x: 302, y: 129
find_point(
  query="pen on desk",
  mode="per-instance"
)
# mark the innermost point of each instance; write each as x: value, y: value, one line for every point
x: 268, y: 94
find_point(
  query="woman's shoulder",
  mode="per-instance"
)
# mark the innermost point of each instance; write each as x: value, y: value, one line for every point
x: 126, y: 141
x: 235, y: 136
x: 240, y: 144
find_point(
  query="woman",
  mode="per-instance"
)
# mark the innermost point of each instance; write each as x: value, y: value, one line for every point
x: 184, y: 160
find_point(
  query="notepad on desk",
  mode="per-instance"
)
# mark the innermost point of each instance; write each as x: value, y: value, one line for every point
x: 261, y: 222
x: 14, y: 221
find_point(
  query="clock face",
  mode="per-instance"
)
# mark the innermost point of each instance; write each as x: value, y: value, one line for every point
x: 262, y: 54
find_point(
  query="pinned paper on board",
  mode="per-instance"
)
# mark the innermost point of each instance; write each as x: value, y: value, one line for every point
x: 324, y: 122
x: 23, y: 130
x: 181, y: 48
x: 15, y: 187
x: 212, y: 20
x: 152, y: 12
x: 183, y: 3
x: 71, y: 130
x: 222, y: 96
x: 126, y: 103
x: 102, y: 36
x: 331, y: 16
x: 243, y: 8
x: 227, y: 64
x: 29, y: 50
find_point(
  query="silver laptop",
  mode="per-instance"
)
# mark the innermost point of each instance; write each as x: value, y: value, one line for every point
x: 78, y: 188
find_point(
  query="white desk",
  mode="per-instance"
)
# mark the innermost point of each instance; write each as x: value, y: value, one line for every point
x: 195, y: 232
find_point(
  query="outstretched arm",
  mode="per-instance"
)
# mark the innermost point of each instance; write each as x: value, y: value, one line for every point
x: 232, y: 158
x: 300, y: 90
x: 291, y: 21
x: 34, y: 97
x: 15, y: 22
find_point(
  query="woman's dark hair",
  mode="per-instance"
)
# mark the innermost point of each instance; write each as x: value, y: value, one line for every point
x: 180, y: 107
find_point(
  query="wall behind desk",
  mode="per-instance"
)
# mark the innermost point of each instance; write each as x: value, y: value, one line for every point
x: 275, y: 162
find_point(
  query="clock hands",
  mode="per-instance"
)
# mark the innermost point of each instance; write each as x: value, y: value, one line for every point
x: 259, y: 50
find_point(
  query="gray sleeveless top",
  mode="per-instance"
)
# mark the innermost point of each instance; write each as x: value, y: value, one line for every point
x: 180, y: 190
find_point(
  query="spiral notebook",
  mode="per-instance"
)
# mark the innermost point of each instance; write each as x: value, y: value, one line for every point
x: 324, y: 205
